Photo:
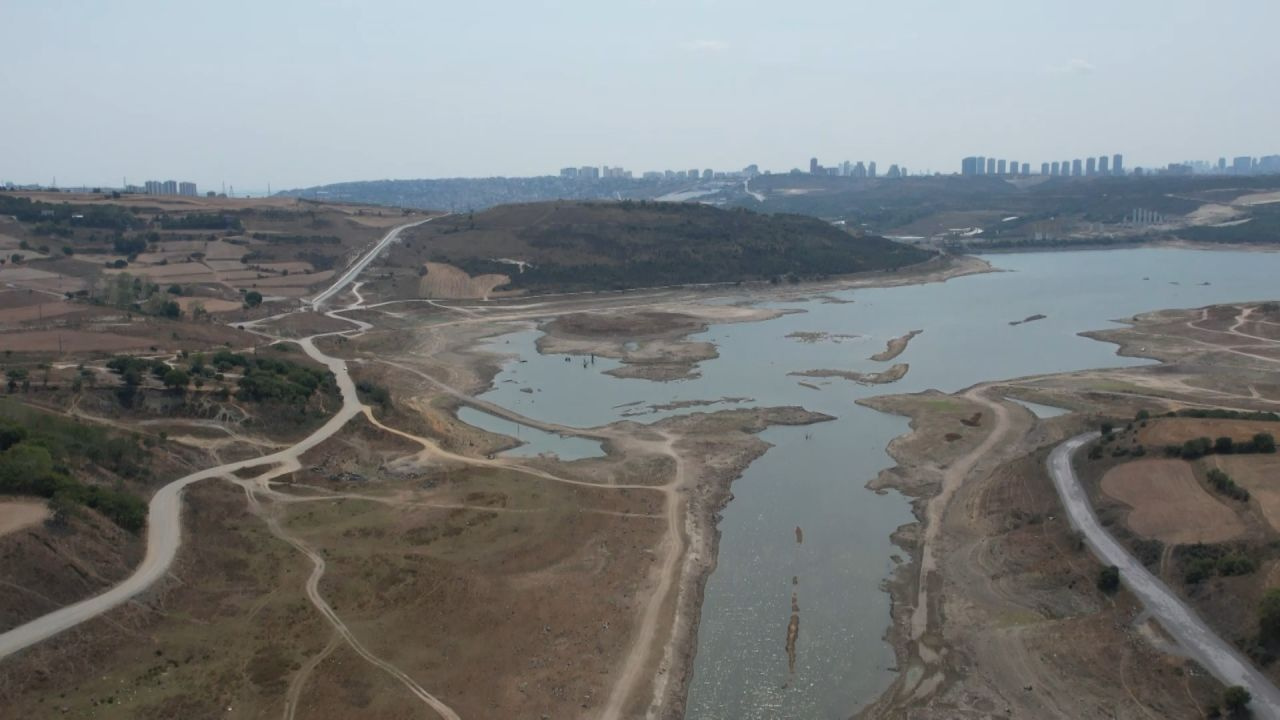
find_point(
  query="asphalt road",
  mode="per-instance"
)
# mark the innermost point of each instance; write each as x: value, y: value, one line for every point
x: 1179, y: 620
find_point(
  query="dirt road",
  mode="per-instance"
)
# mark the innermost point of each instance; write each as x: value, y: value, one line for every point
x: 1180, y: 621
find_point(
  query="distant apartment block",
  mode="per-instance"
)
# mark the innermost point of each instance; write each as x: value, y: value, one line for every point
x: 1077, y: 168
x: 1104, y: 165
x: 169, y: 187
x: 1091, y: 166
x: 1026, y: 168
x: 569, y: 173
x: 1117, y: 164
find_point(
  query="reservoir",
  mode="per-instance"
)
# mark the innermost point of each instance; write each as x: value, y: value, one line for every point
x: 814, y: 477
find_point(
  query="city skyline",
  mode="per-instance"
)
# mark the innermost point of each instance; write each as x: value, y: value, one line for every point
x: 381, y: 94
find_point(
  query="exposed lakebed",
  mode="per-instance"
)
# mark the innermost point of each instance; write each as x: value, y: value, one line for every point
x: 814, y: 477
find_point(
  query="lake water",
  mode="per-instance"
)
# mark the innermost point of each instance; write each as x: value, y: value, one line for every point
x: 814, y: 477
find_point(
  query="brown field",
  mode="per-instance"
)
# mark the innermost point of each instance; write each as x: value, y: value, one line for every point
x: 1168, y: 504
x: 1260, y: 475
x: 1175, y: 431
x: 213, y: 305
x: 446, y: 281
x: 46, y: 306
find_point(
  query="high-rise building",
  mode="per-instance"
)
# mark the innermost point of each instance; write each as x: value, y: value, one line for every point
x: 1104, y: 165
x: 1222, y: 165
x: 1026, y: 169
x: 1117, y: 164
x: 813, y: 166
x: 187, y: 188
x: 982, y: 165
x: 859, y: 170
x: 1091, y: 166
x: 1077, y: 168
x: 991, y: 166
x: 751, y: 170
x: 871, y: 169
x: 1013, y: 167
x: 170, y: 187
x: 1044, y: 168
x: 154, y: 187
x: 1242, y: 165
x: 708, y: 173
x: 1002, y: 167
x: 894, y: 173
x: 1269, y: 164
x: 569, y: 173
x: 587, y: 172
x: 968, y: 166
x: 1056, y: 168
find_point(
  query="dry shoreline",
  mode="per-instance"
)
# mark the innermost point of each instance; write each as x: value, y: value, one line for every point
x: 895, y: 347
x: 713, y: 491
x: 893, y: 374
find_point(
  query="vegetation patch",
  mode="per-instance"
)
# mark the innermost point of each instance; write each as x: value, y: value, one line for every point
x: 38, y: 450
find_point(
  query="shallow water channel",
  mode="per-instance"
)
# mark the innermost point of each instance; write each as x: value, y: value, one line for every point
x: 814, y: 477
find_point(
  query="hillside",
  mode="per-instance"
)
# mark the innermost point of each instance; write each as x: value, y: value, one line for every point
x: 609, y: 246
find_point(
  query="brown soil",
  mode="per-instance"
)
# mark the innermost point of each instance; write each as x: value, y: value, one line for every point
x: 17, y: 514
x: 1168, y: 504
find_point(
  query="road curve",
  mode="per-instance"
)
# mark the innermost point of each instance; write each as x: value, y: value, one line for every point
x: 164, y: 515
x: 1179, y: 620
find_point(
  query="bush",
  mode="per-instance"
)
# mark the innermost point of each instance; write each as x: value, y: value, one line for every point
x: 1223, y: 446
x: 1269, y: 617
x: 1109, y: 579
x: 1264, y: 443
x: 252, y: 299
x: 1196, y: 449
x: 1235, y: 698
x: 1225, y: 485
x: 27, y: 465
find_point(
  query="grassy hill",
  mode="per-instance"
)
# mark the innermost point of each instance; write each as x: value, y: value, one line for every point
x: 605, y: 246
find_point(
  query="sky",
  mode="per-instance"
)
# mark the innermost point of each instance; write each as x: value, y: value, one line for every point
x: 295, y: 93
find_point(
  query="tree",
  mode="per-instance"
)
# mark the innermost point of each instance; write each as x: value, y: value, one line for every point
x: 1264, y: 443
x: 176, y: 379
x: 175, y: 289
x: 1269, y: 616
x: 1223, y: 446
x: 1109, y: 579
x: 1235, y: 698
x: 1107, y: 427
x: 252, y: 299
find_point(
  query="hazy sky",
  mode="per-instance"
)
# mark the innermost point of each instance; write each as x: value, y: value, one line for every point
x: 303, y: 92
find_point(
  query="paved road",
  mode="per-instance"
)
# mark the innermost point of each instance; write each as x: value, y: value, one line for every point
x: 354, y: 271
x: 164, y: 529
x: 1180, y: 621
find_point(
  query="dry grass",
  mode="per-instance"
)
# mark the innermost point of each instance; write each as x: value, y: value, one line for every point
x: 1168, y: 504
x: 1175, y: 431
x: 1260, y: 475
